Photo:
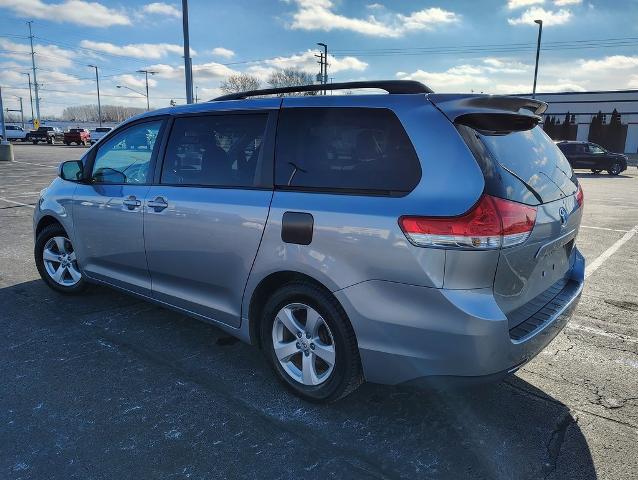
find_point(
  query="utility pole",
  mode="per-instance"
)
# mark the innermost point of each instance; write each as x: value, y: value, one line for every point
x: 188, y: 65
x: 538, y: 52
x: 325, y: 64
x: 35, y: 78
x: 21, y: 113
x: 196, y: 91
x: 99, y: 106
x: 146, y: 72
x: 320, y: 62
x: 30, y: 95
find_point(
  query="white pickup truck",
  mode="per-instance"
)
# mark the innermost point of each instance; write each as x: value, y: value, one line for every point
x: 15, y: 133
x: 98, y: 132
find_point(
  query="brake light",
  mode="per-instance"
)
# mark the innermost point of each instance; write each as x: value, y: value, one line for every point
x: 492, y: 223
x: 580, y: 197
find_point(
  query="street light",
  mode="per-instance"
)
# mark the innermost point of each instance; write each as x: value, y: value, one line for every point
x: 135, y: 91
x: 538, y: 52
x: 146, y: 72
x: 99, y: 106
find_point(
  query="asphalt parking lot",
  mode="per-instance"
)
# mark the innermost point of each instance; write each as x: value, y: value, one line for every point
x: 108, y: 386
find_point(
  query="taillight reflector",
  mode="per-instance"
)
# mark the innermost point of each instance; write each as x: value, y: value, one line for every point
x: 580, y: 197
x: 492, y: 223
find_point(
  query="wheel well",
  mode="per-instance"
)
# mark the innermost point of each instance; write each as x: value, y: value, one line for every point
x: 45, y: 222
x: 264, y: 290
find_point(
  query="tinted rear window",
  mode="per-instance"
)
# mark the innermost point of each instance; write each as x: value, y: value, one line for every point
x: 535, y: 159
x: 102, y: 129
x: 358, y: 150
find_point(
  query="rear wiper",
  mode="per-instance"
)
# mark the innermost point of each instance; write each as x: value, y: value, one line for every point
x: 527, y: 185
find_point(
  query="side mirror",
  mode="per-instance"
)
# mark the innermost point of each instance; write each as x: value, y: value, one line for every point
x: 71, y: 170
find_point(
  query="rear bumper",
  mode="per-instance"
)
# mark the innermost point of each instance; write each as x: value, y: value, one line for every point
x: 417, y: 335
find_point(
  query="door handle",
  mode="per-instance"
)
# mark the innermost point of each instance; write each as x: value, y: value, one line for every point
x: 158, y: 204
x: 131, y: 202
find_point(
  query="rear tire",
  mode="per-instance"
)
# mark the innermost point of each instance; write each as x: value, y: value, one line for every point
x: 615, y: 169
x: 302, y: 368
x: 54, y: 254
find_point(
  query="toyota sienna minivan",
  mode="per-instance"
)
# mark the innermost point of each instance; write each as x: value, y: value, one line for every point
x: 405, y: 238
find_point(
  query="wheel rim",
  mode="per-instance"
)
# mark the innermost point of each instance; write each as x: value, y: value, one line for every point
x: 615, y: 169
x: 303, y: 344
x: 60, y: 262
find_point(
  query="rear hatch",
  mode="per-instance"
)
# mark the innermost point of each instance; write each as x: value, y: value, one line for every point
x: 521, y: 163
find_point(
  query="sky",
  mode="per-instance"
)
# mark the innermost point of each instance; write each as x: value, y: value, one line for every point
x: 451, y: 46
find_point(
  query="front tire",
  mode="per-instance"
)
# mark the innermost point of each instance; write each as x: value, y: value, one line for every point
x: 615, y: 169
x: 310, y: 343
x: 56, y: 261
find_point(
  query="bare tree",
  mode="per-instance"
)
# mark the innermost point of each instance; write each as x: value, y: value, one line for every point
x: 290, y: 77
x: 110, y: 113
x: 239, y: 83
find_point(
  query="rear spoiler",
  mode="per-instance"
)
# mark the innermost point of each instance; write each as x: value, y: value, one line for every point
x: 497, y: 113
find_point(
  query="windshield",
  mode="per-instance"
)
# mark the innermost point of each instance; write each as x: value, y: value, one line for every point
x: 532, y: 157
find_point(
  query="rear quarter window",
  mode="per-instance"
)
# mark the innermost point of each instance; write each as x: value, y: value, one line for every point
x: 345, y: 150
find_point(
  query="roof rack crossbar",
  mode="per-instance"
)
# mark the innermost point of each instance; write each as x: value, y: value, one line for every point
x: 390, y: 86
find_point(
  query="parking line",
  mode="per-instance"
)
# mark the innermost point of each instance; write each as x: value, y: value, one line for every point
x: 38, y: 164
x: 602, y: 333
x: 595, y: 265
x: 604, y: 228
x: 17, y: 203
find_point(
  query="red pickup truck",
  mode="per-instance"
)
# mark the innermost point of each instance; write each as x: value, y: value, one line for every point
x: 80, y: 136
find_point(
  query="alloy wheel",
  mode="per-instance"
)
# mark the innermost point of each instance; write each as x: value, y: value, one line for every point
x: 303, y: 344
x: 60, y: 262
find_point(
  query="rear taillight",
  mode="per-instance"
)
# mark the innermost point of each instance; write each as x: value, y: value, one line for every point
x: 492, y: 223
x: 580, y: 197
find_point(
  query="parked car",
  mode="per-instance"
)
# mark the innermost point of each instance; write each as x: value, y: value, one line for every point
x: 45, y: 134
x: 592, y: 156
x: 98, y: 133
x: 408, y: 238
x: 79, y: 136
x: 15, y: 133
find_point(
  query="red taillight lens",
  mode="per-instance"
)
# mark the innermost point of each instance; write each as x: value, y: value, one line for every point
x: 492, y: 223
x: 580, y: 197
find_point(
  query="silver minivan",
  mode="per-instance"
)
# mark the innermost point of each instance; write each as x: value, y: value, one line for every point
x: 408, y: 238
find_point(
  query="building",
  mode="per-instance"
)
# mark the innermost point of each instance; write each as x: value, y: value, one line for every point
x: 609, y: 118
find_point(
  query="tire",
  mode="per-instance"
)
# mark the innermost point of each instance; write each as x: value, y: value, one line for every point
x: 333, y: 336
x: 35, y: 142
x: 596, y: 171
x: 67, y: 144
x: 48, y: 239
x: 615, y: 169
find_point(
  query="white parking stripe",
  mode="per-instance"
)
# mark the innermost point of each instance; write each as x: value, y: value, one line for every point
x: 602, y: 333
x: 595, y: 265
x: 604, y: 228
x: 17, y: 203
x: 38, y: 164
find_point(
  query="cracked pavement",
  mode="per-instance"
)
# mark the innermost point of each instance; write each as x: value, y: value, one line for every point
x: 108, y: 386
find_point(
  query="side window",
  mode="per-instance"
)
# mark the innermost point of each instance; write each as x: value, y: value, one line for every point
x: 349, y: 149
x: 126, y: 157
x: 594, y: 149
x: 216, y: 150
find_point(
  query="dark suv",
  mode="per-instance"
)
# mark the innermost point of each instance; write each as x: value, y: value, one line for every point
x: 592, y: 156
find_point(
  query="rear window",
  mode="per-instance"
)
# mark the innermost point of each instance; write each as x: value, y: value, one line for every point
x: 102, y: 129
x: 357, y: 150
x: 524, y: 166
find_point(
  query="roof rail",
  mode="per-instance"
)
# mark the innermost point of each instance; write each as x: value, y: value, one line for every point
x: 390, y: 86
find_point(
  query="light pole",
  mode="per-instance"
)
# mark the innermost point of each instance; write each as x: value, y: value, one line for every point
x: 99, y: 106
x: 538, y: 52
x: 188, y: 65
x: 134, y: 91
x: 30, y: 95
x: 35, y: 78
x: 146, y: 72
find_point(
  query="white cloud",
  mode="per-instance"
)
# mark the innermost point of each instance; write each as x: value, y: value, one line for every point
x: 137, y: 50
x: 549, y: 17
x: 514, y: 4
x: 319, y: 15
x: 223, y: 52
x: 452, y: 79
x: 92, y: 14
x: 494, y: 65
x: 160, y: 8
x: 202, y: 71
x: 135, y: 81
x: 46, y: 55
x: 616, y: 62
x: 562, y: 3
x: 633, y: 81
